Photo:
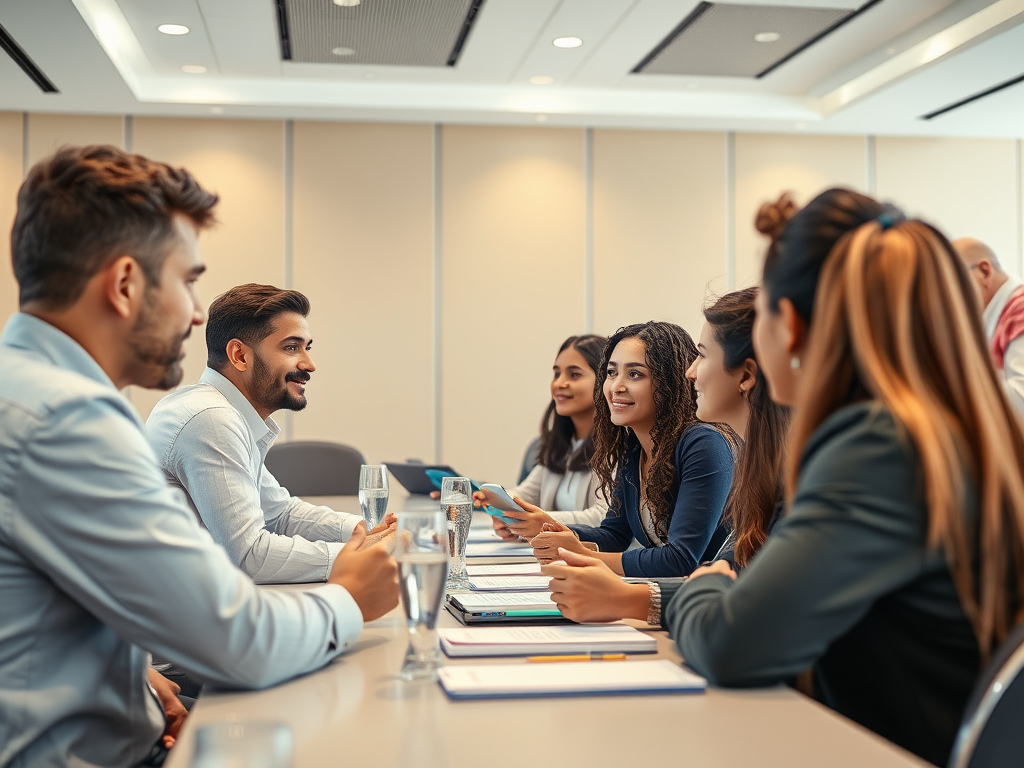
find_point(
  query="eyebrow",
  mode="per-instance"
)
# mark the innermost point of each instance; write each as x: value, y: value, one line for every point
x: 627, y: 365
x: 197, y: 271
x: 296, y: 339
x: 568, y: 368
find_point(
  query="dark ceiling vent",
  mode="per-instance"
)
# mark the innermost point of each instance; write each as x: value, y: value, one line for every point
x: 421, y: 33
x: 742, y: 40
x: 24, y: 61
x: 974, y: 97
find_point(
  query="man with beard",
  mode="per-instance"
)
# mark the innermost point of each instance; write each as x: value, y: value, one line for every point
x: 212, y: 438
x: 100, y: 561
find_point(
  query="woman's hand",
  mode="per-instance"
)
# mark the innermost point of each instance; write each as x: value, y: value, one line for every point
x: 552, y: 538
x: 503, y: 531
x: 531, y: 522
x: 719, y: 566
x: 585, y: 589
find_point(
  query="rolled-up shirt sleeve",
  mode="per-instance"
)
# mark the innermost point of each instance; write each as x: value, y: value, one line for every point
x: 216, y: 475
x: 109, y: 531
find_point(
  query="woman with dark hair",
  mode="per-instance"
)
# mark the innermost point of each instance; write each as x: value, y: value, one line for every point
x: 667, y: 474
x: 730, y: 390
x: 562, y: 481
x: 897, y: 568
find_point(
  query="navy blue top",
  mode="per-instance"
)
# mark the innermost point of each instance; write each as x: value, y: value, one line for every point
x: 703, y: 465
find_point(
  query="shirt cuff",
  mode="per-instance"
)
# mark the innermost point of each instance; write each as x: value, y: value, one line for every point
x: 333, y: 548
x: 348, y: 525
x: 348, y: 619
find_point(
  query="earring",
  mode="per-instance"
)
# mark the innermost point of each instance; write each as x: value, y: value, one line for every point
x: 794, y: 364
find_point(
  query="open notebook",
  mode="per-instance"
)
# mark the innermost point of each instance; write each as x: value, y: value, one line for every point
x: 567, y: 679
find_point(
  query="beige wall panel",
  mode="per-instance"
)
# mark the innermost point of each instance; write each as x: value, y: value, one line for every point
x: 47, y: 133
x: 243, y: 162
x: 513, y: 207
x: 659, y: 224
x: 768, y: 164
x: 966, y: 187
x: 363, y: 253
x: 11, y: 155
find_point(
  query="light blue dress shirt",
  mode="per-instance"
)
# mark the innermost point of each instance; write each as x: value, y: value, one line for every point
x: 101, y: 564
x: 211, y: 443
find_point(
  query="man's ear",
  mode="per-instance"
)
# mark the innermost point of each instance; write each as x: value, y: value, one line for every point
x: 239, y: 355
x: 124, y: 286
x: 796, y: 328
x: 985, y: 269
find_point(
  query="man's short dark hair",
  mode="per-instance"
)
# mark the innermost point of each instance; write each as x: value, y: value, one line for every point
x: 82, y: 207
x: 247, y: 313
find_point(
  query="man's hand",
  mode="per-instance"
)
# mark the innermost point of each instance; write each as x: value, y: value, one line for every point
x: 174, y: 711
x: 585, y: 589
x: 370, y: 575
x: 552, y: 537
x: 390, y: 519
x: 383, y: 534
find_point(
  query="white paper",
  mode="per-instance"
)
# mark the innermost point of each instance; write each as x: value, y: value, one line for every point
x: 568, y: 677
x: 510, y: 583
x: 574, y: 634
x: 512, y: 569
x: 474, y: 600
x: 497, y: 548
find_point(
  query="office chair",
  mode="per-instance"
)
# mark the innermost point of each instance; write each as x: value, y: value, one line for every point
x: 529, y: 459
x: 315, y: 468
x: 991, y: 734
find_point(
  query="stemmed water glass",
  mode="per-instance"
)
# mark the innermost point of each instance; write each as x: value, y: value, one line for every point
x: 373, y: 493
x: 457, y: 504
x: 421, y: 549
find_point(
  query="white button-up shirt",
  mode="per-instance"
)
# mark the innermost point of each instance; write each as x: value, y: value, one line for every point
x: 212, y: 443
x: 1013, y: 358
x: 100, y: 562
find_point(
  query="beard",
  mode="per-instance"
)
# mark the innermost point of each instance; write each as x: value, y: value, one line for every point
x: 156, y: 354
x: 272, y: 393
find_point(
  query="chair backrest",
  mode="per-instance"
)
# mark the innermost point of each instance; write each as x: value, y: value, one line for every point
x: 530, y: 458
x: 314, y: 468
x: 992, y: 731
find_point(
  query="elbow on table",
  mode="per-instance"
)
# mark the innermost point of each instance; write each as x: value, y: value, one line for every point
x: 726, y: 667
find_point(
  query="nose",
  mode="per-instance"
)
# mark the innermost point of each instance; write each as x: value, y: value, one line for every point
x: 198, y: 314
x: 691, y: 372
x: 306, y: 363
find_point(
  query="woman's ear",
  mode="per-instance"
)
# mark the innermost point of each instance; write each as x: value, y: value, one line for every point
x: 795, y: 327
x: 747, y: 376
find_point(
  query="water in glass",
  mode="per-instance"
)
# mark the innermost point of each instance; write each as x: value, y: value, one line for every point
x: 421, y: 549
x: 457, y: 504
x: 373, y: 493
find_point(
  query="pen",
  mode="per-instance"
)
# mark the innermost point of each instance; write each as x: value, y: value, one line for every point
x: 588, y: 657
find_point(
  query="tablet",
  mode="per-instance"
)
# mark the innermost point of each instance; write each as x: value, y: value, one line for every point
x: 495, y: 615
x: 415, y: 478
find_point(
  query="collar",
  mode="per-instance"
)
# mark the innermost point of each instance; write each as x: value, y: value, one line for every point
x: 259, y: 428
x: 998, y: 304
x: 37, y: 337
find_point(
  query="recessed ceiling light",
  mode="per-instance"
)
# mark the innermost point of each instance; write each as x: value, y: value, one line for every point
x: 173, y: 29
x: 541, y: 118
x: 567, y: 42
x: 343, y: 51
x: 193, y: 69
x: 767, y: 37
x: 347, y: 3
x: 542, y: 79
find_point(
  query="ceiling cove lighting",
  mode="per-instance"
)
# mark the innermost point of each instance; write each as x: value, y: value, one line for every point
x: 567, y: 42
x: 766, y: 37
x: 347, y: 3
x: 342, y: 51
x: 173, y: 29
x: 194, y: 69
x: 542, y: 79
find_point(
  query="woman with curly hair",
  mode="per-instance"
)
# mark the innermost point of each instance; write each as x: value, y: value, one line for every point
x: 667, y: 475
x: 896, y: 570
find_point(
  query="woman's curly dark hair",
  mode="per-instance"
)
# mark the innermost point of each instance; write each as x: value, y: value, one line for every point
x: 669, y: 353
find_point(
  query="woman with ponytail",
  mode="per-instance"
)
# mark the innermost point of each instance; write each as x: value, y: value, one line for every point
x: 897, y: 568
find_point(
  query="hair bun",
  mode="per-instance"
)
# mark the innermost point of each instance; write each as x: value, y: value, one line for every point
x: 772, y: 218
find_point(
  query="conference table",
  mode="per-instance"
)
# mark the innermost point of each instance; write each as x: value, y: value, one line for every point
x: 358, y: 712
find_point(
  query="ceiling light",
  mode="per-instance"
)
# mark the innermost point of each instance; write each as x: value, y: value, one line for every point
x: 193, y: 69
x: 216, y: 110
x: 173, y: 29
x: 347, y: 3
x: 541, y: 118
x: 542, y: 79
x: 342, y: 51
x: 567, y: 42
x: 800, y: 126
x: 767, y: 37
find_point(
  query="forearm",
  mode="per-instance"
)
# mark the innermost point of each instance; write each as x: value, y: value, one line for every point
x: 276, y: 559
x: 612, y: 559
x: 315, y: 523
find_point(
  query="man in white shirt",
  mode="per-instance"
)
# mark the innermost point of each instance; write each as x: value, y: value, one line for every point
x: 1002, y: 296
x: 212, y: 438
x: 101, y: 563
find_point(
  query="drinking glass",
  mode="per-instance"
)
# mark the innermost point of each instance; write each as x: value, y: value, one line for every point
x: 457, y: 504
x: 243, y: 745
x: 373, y: 493
x: 421, y: 549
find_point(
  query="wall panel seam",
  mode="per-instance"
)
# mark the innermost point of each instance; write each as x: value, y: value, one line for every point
x: 24, y: 144
x: 870, y: 162
x: 438, y: 288
x: 289, y: 216
x: 588, y: 235
x: 730, y: 210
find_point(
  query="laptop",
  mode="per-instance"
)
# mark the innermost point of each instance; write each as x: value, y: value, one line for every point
x: 415, y: 478
x: 474, y: 614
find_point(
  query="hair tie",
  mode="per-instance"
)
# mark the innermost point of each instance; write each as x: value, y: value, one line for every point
x: 886, y: 220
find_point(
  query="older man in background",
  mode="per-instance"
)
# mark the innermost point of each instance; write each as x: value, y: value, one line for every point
x: 1002, y: 296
